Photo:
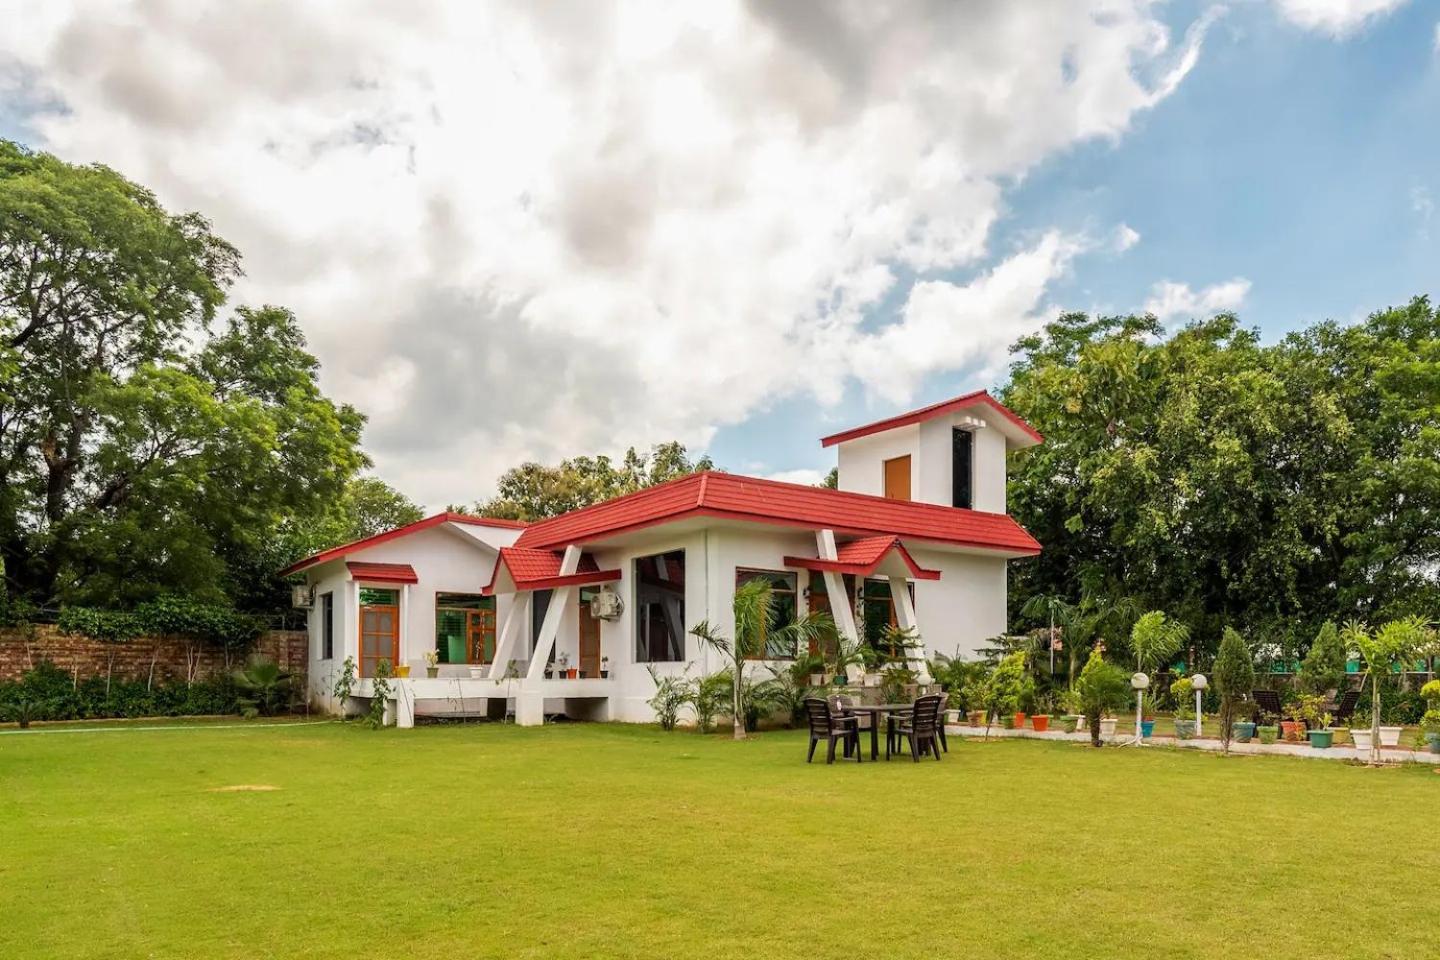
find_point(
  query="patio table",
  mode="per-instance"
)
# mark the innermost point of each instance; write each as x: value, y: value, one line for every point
x: 878, y: 711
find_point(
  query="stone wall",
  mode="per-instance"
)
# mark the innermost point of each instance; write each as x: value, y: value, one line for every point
x: 170, y: 658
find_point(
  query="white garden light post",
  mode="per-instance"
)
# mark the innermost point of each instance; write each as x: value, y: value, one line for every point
x: 1199, y: 683
x: 1139, y: 682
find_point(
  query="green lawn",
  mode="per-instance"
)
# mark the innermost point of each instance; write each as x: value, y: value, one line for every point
x: 616, y: 841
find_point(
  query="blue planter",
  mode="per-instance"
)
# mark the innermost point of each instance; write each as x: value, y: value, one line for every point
x: 1242, y: 731
x: 1147, y: 728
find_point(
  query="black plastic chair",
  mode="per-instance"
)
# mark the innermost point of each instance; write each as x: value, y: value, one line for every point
x: 919, y: 728
x: 830, y: 727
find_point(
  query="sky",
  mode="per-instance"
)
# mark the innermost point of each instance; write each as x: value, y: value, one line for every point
x: 518, y: 231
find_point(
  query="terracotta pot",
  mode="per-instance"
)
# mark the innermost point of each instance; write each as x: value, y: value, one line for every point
x: 572, y: 672
x: 1019, y: 718
x: 1292, y: 730
x: 1040, y: 723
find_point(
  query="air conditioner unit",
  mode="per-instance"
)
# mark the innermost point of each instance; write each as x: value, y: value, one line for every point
x: 302, y: 597
x: 606, y: 605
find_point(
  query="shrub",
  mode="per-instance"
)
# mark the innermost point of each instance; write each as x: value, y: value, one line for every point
x: 1324, y: 666
x: 1100, y: 688
x: 707, y: 697
x: 50, y: 693
x: 1234, y: 678
x: 671, y: 694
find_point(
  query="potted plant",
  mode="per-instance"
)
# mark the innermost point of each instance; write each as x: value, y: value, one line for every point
x: 1000, y: 693
x: 1361, y: 734
x: 1234, y: 677
x: 1183, y: 690
x: 402, y: 670
x: 1044, y: 704
x: 1300, y: 714
x: 1323, y: 737
x: 1385, y: 651
x: 1242, y: 730
x: 432, y: 664
x: 1107, y: 726
x: 977, y: 717
x: 1268, y: 733
x: 604, y: 668
x: 1154, y: 640
x: 1430, y: 723
x: 562, y: 666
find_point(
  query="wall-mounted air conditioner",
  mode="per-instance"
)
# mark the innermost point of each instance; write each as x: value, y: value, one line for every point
x: 302, y: 597
x: 606, y: 605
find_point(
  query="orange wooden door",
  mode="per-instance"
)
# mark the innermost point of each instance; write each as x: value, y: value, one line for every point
x: 589, y: 642
x: 480, y: 631
x: 379, y: 638
x: 897, y: 478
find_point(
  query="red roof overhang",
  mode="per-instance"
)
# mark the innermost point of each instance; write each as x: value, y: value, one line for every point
x: 335, y: 553
x: 978, y: 398
x: 863, y: 557
x: 520, y: 568
x: 382, y: 572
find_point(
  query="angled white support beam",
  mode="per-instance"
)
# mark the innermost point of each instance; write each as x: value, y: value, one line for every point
x: 510, y: 635
x: 840, y: 608
x: 905, y: 618
x: 559, y: 602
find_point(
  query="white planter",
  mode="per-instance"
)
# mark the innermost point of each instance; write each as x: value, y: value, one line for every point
x: 1362, y: 739
x: 1082, y: 725
x: 477, y: 673
x: 874, y: 679
x: 1390, y: 736
x: 1107, y: 726
x: 817, y: 679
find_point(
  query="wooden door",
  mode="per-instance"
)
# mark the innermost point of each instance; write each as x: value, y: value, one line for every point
x: 480, y: 634
x: 379, y: 638
x: 897, y: 478
x: 589, y: 642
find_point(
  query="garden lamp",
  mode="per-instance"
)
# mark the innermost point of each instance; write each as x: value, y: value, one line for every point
x: 1198, y: 683
x: 1139, y: 682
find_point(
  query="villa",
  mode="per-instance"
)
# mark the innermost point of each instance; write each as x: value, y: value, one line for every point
x: 917, y: 535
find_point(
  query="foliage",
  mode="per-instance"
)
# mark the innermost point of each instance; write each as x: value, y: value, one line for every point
x: 1155, y: 639
x: 962, y: 679
x: 1234, y: 677
x: 1100, y: 688
x: 533, y: 491
x: 380, y: 693
x: 1183, y: 693
x: 671, y: 694
x: 345, y: 683
x: 788, y: 689
x: 49, y: 693
x: 1385, y: 651
x: 706, y: 697
x: 262, y: 688
x: 1006, y: 686
x: 1324, y: 666
x: 1268, y: 487
x: 895, y: 679
x: 142, y: 451
x: 1305, y: 708
x: 752, y: 606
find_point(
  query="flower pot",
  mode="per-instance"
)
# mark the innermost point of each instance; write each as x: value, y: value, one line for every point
x: 1267, y: 734
x: 839, y: 680
x: 977, y: 718
x: 1019, y: 718
x: 1107, y: 726
x: 604, y: 674
x: 1082, y: 724
x: 1040, y: 723
x: 1390, y: 736
x: 817, y: 679
x: 432, y: 672
x: 1242, y: 730
x: 1321, y: 739
x: 1069, y: 723
x: 1147, y: 729
x: 874, y: 679
x: 572, y: 672
x: 403, y: 670
x: 1432, y: 741
x: 1008, y: 722
x: 1361, y: 738
x: 476, y: 673
x: 1185, y: 729
x: 1292, y: 730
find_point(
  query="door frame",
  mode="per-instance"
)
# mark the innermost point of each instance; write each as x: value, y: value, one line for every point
x: 394, y: 610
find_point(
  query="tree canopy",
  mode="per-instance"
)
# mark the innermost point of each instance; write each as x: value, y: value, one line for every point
x: 1226, y: 481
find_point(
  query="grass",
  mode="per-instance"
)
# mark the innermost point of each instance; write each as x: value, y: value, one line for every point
x: 620, y: 841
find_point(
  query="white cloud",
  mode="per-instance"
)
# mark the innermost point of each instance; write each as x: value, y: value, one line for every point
x: 808, y: 477
x: 1336, y: 17
x: 521, y: 230
x: 1125, y: 237
x: 1177, y: 301
x: 1436, y: 45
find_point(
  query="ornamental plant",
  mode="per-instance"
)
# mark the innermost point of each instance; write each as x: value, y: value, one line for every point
x: 1234, y: 678
x: 1100, y: 688
x: 1385, y: 652
x: 1005, y: 687
x: 1324, y: 666
x: 1431, y: 693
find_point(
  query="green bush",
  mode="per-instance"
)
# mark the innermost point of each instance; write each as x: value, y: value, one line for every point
x: 50, y: 693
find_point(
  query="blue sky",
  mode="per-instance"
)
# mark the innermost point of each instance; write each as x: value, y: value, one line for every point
x: 745, y: 224
x: 1307, y: 164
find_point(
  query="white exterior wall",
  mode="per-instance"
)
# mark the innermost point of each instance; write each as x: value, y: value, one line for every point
x: 862, y: 461
x: 965, y: 607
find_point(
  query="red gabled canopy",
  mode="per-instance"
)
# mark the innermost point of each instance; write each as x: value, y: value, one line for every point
x: 862, y: 557
x: 382, y: 572
x: 335, y: 553
x: 978, y: 398
x: 727, y: 496
x: 520, y: 568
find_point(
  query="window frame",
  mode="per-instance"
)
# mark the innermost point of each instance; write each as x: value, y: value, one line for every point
x: 962, y: 491
x: 327, y: 625
x: 486, y: 605
x: 743, y: 574
x: 641, y: 650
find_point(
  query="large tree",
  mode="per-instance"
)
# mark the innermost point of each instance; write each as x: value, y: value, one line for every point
x: 143, y: 451
x: 1230, y: 482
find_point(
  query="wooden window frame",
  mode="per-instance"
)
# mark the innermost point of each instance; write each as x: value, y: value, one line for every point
x: 742, y: 573
x: 394, y: 609
x: 471, y: 614
x: 909, y: 478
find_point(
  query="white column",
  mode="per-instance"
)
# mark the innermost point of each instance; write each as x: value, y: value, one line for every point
x: 404, y: 701
x: 510, y: 632
x: 905, y: 617
x: 559, y: 602
x: 840, y: 608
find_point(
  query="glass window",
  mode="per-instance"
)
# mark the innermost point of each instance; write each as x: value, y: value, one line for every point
x: 464, y: 628
x: 660, y: 607
x: 963, y: 468
x: 375, y: 597
x: 327, y: 626
x: 783, y: 608
x: 877, y: 611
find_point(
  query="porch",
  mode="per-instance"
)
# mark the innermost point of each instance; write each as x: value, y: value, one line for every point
x: 520, y: 697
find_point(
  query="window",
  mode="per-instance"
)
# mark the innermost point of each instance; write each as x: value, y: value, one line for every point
x: 660, y: 607
x: 379, y: 629
x: 877, y: 611
x: 327, y: 626
x: 464, y: 628
x: 897, y: 478
x: 783, y: 609
x: 962, y: 478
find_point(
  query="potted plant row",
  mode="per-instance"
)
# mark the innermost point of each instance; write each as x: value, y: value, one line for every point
x: 1430, y: 723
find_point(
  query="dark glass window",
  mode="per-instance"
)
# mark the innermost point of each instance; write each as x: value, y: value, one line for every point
x: 327, y: 626
x: 963, y: 477
x: 464, y: 628
x: 783, y: 608
x: 660, y: 607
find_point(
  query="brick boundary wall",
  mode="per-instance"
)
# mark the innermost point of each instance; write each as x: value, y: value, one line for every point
x: 169, y: 657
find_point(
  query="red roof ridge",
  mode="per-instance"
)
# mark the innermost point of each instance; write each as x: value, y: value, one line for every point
x: 425, y: 523
x: 974, y: 398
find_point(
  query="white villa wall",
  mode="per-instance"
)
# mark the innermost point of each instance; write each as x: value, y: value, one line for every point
x: 862, y: 461
x: 965, y: 607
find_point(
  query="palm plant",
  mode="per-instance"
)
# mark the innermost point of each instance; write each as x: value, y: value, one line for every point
x: 1060, y: 613
x: 1154, y: 639
x: 754, y: 632
x: 1101, y: 687
x: 1385, y: 651
x: 261, y: 686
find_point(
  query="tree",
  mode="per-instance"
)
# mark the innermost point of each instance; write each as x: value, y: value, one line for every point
x: 754, y: 631
x: 1234, y: 678
x: 533, y: 491
x: 1324, y: 666
x: 141, y: 451
x: 1100, y: 688
x: 1385, y: 651
x: 1154, y: 640
x: 1006, y: 686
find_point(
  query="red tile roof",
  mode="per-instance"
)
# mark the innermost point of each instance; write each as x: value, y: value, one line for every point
x: 862, y: 556
x: 540, y: 570
x: 382, y: 572
x: 334, y: 553
x: 978, y: 398
x: 728, y: 496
